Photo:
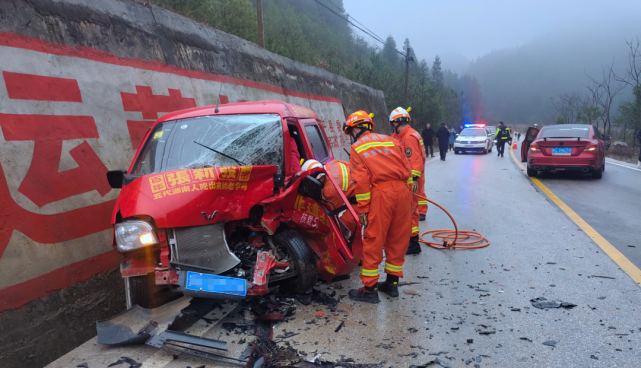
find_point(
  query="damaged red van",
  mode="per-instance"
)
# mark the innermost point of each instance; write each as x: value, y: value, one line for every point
x: 209, y: 207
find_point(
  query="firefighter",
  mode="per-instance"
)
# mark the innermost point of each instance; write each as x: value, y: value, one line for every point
x: 412, y: 145
x: 502, y: 136
x: 381, y: 173
x: 340, y: 172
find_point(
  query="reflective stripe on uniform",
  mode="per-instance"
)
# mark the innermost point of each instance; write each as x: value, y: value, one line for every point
x: 345, y: 183
x: 391, y: 267
x: 420, y: 141
x: 414, y: 229
x: 365, y: 272
x: 410, y: 180
x: 364, y: 197
x: 416, y: 173
x: 365, y: 146
x: 422, y: 202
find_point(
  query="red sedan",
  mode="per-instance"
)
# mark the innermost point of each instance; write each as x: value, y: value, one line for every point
x: 564, y: 147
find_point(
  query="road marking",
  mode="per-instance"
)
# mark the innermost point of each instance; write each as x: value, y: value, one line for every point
x: 609, y: 249
x: 626, y: 166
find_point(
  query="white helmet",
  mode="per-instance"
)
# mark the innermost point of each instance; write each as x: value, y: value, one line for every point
x: 311, y: 164
x: 400, y: 114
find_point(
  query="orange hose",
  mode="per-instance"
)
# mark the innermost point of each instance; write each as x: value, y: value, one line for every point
x: 451, y: 237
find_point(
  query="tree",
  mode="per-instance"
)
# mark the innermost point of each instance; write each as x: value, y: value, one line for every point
x: 437, y: 73
x: 567, y: 105
x: 390, y: 54
x: 604, y: 92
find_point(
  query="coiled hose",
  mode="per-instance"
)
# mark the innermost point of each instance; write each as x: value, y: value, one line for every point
x: 450, y: 237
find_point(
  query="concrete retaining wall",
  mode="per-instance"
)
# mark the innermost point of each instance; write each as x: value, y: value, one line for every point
x: 81, y: 81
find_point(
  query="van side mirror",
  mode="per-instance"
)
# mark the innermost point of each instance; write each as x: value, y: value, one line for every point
x: 311, y: 188
x: 116, y: 178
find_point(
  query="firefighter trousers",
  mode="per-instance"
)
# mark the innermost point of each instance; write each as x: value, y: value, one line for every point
x: 388, y: 230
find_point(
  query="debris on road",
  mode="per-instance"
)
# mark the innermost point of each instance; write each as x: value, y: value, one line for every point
x: 411, y: 292
x: 340, y: 326
x: 604, y: 277
x: 551, y: 343
x: 132, y: 363
x: 543, y: 303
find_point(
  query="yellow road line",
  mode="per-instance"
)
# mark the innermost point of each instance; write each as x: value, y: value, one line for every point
x: 609, y: 249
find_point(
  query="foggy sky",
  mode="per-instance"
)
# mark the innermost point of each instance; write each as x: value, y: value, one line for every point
x: 462, y: 30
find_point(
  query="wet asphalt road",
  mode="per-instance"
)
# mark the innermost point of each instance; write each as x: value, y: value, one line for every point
x: 482, y: 295
x: 611, y: 205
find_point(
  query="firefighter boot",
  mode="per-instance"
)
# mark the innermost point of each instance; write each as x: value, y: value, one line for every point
x: 390, y: 286
x: 414, y: 247
x: 365, y: 294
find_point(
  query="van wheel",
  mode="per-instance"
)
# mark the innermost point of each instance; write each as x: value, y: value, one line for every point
x: 145, y: 292
x: 531, y: 172
x: 301, y: 257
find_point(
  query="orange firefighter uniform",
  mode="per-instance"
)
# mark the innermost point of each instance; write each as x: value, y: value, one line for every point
x: 412, y: 144
x: 340, y: 172
x: 381, y: 173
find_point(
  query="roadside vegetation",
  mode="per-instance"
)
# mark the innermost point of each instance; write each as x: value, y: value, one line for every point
x: 319, y: 33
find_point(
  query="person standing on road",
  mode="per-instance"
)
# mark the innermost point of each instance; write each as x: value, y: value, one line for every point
x: 381, y: 173
x: 452, y: 138
x: 639, y: 138
x: 428, y: 140
x: 460, y: 129
x: 443, y: 136
x: 411, y: 143
x: 502, y: 136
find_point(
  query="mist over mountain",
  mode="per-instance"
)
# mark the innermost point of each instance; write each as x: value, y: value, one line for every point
x: 517, y: 84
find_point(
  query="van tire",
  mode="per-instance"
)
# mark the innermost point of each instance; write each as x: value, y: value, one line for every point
x: 145, y: 292
x: 302, y: 259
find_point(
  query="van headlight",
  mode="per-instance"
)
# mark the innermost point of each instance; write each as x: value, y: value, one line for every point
x: 132, y: 235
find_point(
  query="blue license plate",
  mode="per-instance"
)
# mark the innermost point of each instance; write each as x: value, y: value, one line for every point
x: 215, y: 284
x: 561, y: 151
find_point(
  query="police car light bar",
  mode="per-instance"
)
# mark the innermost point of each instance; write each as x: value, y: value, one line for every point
x: 474, y: 125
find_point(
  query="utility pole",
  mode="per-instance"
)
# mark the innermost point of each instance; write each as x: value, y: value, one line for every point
x: 261, y: 31
x: 407, y: 72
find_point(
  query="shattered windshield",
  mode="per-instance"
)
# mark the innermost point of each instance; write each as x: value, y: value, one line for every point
x: 179, y: 144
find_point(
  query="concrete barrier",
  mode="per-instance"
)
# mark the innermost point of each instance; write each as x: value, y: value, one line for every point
x: 81, y: 82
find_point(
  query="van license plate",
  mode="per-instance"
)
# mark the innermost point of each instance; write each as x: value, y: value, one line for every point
x: 561, y: 151
x: 468, y: 145
x: 215, y: 284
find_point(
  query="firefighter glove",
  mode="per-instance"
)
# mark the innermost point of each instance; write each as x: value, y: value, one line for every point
x: 415, y: 185
x: 363, y: 218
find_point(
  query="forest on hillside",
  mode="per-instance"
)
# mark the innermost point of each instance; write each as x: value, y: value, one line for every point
x: 319, y: 33
x: 575, y: 75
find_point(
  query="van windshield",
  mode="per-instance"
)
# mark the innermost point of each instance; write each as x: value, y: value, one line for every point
x: 253, y: 139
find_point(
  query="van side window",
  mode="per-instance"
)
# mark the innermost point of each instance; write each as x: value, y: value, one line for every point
x: 318, y: 143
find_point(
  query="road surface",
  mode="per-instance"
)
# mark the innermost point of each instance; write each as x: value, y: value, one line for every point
x: 475, y: 304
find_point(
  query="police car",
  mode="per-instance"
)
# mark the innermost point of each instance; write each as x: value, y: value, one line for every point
x: 474, y: 138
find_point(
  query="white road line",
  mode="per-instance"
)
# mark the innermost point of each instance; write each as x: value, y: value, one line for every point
x: 626, y: 166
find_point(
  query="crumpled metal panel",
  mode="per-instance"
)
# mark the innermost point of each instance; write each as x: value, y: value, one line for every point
x: 204, y: 246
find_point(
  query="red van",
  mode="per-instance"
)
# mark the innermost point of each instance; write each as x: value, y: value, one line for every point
x: 209, y: 207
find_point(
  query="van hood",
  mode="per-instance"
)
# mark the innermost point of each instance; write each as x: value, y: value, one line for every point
x: 195, y: 197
